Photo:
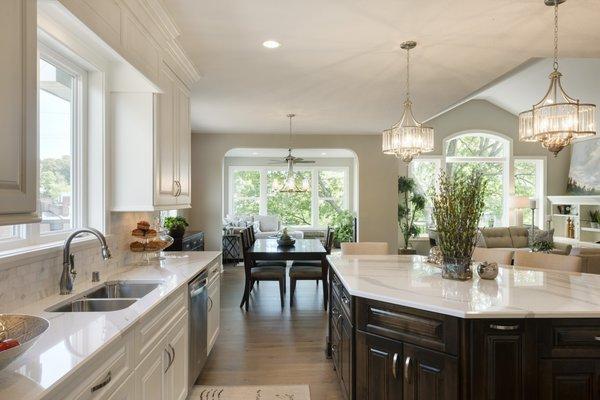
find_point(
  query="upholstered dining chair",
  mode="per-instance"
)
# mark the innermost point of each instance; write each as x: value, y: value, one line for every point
x: 365, y: 248
x: 548, y: 261
x: 500, y: 256
x: 311, y: 270
x: 256, y: 272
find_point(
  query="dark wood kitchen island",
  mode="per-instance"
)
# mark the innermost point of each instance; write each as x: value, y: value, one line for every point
x: 397, y: 330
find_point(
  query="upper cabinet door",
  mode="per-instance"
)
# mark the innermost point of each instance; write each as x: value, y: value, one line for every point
x: 18, y: 112
x: 184, y: 146
x: 165, y: 165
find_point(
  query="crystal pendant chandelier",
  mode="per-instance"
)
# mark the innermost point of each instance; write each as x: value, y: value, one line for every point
x: 557, y: 119
x: 289, y: 184
x: 408, y: 138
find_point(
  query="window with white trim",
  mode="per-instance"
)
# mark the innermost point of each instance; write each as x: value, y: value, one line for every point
x: 253, y: 191
x: 529, y: 181
x: 425, y: 172
x: 61, y: 98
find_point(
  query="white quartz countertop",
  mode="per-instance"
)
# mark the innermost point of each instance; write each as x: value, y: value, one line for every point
x: 515, y: 293
x: 73, y: 337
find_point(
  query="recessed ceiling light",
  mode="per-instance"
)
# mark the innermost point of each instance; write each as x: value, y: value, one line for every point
x: 254, y: 153
x: 271, y: 44
x: 323, y: 154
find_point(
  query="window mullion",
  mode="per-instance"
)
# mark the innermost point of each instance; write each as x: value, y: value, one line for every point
x: 314, y: 203
x: 262, y: 204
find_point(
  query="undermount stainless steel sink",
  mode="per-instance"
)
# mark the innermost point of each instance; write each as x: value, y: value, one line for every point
x: 89, y: 305
x: 110, y: 296
x: 122, y: 290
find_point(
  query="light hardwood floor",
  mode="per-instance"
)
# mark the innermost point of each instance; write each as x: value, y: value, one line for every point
x: 269, y: 345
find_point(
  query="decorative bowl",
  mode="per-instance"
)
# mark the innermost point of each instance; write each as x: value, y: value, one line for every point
x: 286, y: 241
x: 24, y: 328
x: 564, y: 209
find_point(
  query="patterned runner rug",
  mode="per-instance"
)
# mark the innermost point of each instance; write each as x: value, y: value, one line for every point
x: 271, y: 392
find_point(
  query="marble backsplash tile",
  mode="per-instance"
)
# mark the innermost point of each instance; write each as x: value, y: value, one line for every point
x: 32, y: 281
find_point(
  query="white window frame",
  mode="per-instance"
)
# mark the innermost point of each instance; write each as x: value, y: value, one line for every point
x: 540, y: 189
x: 30, y: 234
x: 439, y: 161
x: 314, y: 189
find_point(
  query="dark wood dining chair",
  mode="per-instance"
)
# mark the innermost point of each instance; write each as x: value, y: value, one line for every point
x: 312, y: 270
x: 265, y: 263
x: 255, y: 273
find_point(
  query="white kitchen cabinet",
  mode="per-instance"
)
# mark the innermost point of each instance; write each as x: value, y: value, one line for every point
x: 126, y: 391
x: 214, y: 305
x: 18, y: 112
x: 151, y: 147
x: 163, y: 374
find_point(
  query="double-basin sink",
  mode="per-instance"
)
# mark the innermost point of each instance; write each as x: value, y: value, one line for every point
x: 110, y: 296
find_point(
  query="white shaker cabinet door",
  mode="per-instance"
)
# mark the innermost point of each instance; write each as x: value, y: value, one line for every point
x: 18, y: 112
x: 176, y: 375
x: 184, y: 146
x: 150, y: 382
x: 214, y: 313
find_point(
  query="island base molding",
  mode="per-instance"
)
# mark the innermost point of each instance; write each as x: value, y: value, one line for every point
x: 384, y: 351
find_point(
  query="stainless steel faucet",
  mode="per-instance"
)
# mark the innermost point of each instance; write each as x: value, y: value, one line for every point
x: 68, y: 272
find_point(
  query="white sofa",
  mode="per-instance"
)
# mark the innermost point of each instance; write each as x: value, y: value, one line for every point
x: 268, y: 225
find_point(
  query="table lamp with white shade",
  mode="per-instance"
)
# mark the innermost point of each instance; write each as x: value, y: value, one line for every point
x: 518, y: 203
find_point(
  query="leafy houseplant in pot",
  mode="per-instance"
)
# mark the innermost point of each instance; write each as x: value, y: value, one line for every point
x: 457, y: 209
x: 343, y: 225
x: 176, y: 226
x: 410, y: 202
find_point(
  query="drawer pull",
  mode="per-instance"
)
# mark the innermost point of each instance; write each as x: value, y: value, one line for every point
x: 210, y: 306
x: 407, y: 367
x: 597, y: 338
x: 105, y: 382
x: 345, y: 300
x: 170, y: 360
x: 504, y: 327
x: 395, y: 365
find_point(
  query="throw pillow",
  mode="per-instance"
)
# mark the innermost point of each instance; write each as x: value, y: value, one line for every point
x: 540, y: 235
x: 256, y: 225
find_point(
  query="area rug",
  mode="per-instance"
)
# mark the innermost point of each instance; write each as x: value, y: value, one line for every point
x: 273, y: 392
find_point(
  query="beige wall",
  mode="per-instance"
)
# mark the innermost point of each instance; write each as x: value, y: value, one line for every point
x: 480, y: 114
x: 377, y: 174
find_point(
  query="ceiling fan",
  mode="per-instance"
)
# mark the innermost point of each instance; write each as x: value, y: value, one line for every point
x: 289, y: 184
x: 290, y: 160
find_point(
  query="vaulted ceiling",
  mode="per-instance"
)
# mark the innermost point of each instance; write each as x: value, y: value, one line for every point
x: 340, y: 68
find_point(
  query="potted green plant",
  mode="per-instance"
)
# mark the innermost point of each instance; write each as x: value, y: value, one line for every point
x: 176, y: 226
x: 457, y: 209
x: 343, y: 225
x: 409, y: 204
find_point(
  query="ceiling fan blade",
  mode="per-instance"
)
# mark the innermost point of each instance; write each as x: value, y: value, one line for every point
x: 278, y: 161
x: 304, y: 162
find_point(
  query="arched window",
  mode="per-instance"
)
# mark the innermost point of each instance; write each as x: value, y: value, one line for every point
x: 489, y: 154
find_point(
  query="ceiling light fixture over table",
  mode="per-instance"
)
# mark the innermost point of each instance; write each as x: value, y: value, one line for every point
x: 557, y: 119
x: 408, y: 138
x: 289, y: 184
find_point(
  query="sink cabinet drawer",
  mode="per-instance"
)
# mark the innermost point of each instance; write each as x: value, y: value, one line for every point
x: 101, y: 375
x: 153, y: 327
x: 569, y: 338
x: 426, y: 329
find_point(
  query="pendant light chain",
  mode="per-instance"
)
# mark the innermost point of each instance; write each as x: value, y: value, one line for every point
x: 408, y: 75
x: 556, y: 35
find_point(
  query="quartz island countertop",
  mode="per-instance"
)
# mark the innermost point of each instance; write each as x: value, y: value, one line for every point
x: 516, y: 293
x: 74, y: 337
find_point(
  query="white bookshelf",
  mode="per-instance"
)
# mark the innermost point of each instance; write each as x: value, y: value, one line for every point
x: 585, y: 235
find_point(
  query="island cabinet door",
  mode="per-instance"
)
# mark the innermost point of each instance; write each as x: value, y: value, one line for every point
x: 346, y: 347
x: 429, y: 375
x: 569, y: 379
x: 378, y: 368
x: 503, y: 360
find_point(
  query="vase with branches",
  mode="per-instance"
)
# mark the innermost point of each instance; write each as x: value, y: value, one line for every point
x: 410, y: 202
x: 457, y: 209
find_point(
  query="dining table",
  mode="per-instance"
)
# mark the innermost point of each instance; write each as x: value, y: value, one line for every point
x: 302, y: 250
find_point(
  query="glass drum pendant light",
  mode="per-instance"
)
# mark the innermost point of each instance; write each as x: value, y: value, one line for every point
x: 408, y: 138
x: 557, y: 119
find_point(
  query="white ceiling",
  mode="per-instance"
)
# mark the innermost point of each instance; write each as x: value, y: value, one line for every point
x: 520, y: 91
x: 280, y: 153
x: 340, y: 68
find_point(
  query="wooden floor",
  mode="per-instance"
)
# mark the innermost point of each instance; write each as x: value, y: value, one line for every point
x: 269, y: 345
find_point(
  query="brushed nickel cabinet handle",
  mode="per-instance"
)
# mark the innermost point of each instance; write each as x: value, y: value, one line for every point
x: 170, y: 360
x: 345, y: 300
x: 504, y: 327
x: 597, y: 338
x: 173, y: 351
x: 395, y: 365
x: 210, y: 306
x: 407, y: 367
x: 105, y: 382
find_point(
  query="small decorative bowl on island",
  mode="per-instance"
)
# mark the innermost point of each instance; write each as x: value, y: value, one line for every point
x: 487, y: 270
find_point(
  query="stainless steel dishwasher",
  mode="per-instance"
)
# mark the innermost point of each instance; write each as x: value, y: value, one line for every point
x: 198, y: 325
